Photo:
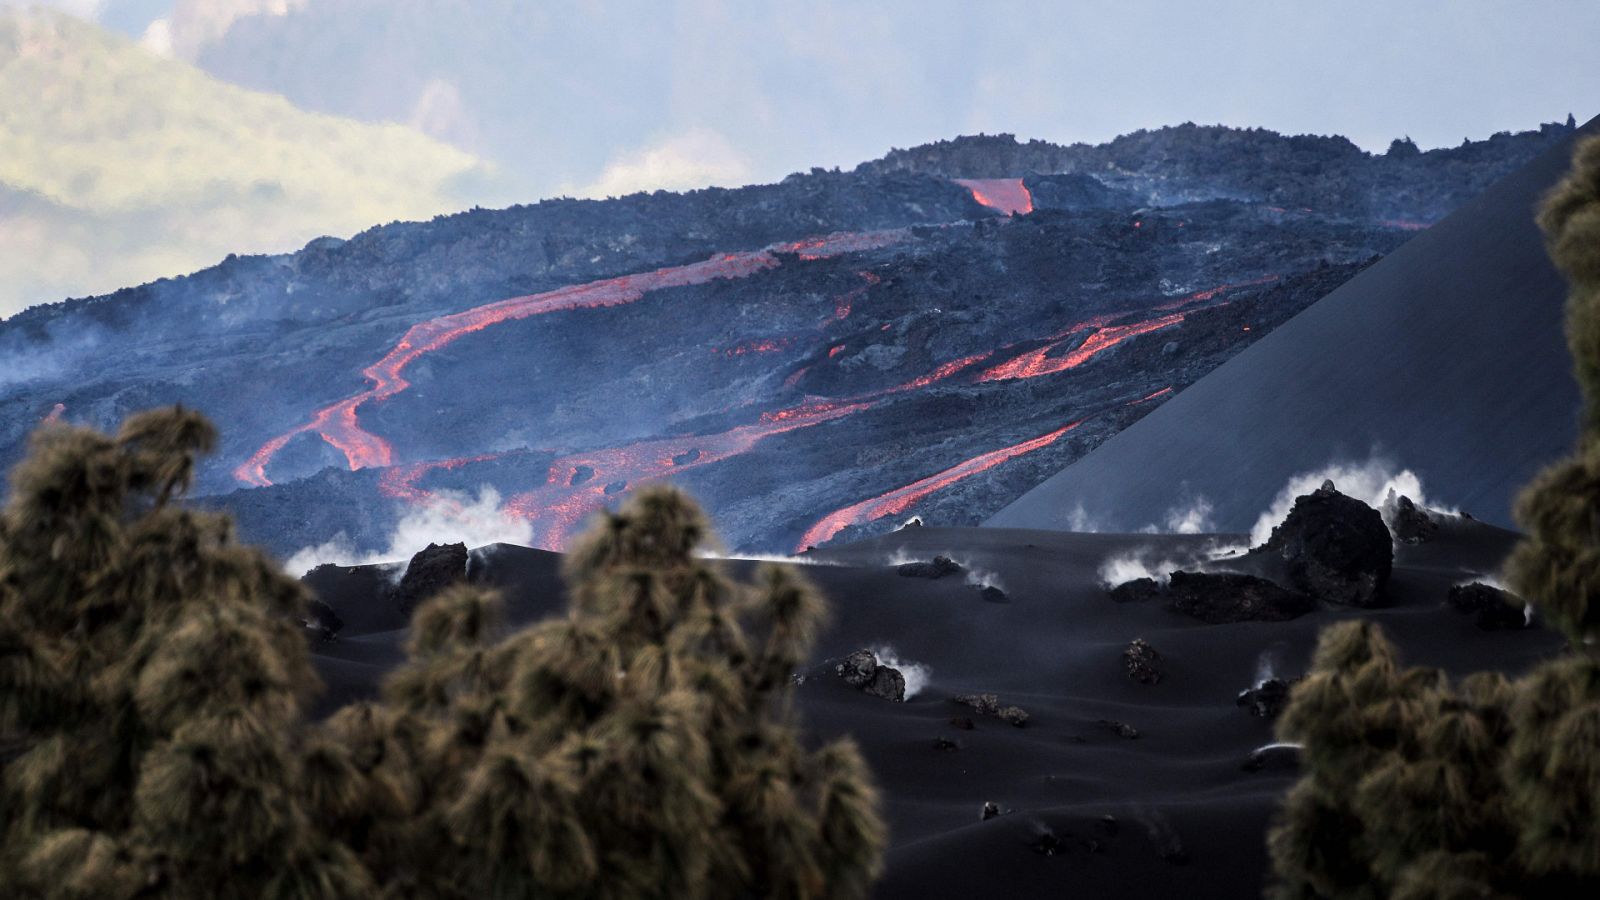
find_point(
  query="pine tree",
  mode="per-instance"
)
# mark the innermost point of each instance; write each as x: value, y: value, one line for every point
x: 151, y: 672
x: 1421, y: 790
x: 642, y: 745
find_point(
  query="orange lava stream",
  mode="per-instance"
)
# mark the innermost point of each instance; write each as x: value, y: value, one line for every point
x: 1039, y: 362
x: 1005, y: 195
x: 901, y: 498
x: 558, y: 507
x: 337, y: 424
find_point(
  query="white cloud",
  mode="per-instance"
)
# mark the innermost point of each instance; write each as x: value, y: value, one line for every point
x: 692, y: 159
x: 83, y: 9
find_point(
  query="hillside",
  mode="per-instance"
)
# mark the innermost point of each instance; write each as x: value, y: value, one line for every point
x: 123, y: 166
x: 1447, y: 358
x: 815, y: 359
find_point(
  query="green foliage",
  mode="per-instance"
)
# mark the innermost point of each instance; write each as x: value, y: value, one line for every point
x: 151, y: 673
x: 642, y: 745
x: 1421, y: 790
x: 1558, y: 565
x: 152, y: 742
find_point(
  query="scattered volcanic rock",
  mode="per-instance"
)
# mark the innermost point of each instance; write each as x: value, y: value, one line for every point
x: 944, y: 743
x: 1121, y: 729
x: 962, y: 723
x: 1141, y: 661
x: 1223, y: 597
x: 1497, y: 610
x: 433, y: 568
x: 939, y: 568
x: 1410, y: 523
x: 321, y: 618
x: 1336, y: 547
x: 990, y: 705
x: 862, y: 669
x: 992, y: 594
x: 990, y: 810
x: 1273, y: 757
x: 1267, y: 699
x: 1136, y: 591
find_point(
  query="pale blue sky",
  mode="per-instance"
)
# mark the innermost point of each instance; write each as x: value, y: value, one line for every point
x: 587, y: 96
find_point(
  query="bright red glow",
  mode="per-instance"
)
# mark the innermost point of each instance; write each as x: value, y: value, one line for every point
x: 55, y: 413
x: 1161, y: 393
x: 1005, y: 195
x: 835, y: 350
x: 901, y: 498
x: 765, y: 345
x: 1405, y: 224
x: 1040, y: 362
x: 337, y: 424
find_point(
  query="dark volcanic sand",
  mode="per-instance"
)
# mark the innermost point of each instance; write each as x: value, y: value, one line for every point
x: 1190, y: 821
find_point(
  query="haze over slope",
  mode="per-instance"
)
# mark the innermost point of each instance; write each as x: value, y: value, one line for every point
x: 1447, y: 357
x: 118, y: 166
x: 814, y: 359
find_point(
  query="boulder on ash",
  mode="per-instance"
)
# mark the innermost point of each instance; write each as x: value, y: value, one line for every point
x: 1410, y: 523
x: 1267, y: 699
x: 1273, y: 758
x: 992, y: 594
x: 1219, y: 598
x: 1336, y: 548
x: 1138, y: 590
x: 1497, y: 610
x: 321, y: 619
x: 1141, y: 660
x: 939, y: 568
x: 990, y: 705
x: 861, y: 669
x: 433, y: 568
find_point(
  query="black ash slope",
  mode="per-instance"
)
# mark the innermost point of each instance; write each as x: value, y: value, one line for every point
x: 1188, y: 816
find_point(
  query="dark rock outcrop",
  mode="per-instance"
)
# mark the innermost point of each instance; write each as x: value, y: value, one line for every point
x: 1496, y: 610
x: 1410, y: 523
x: 861, y: 669
x: 1136, y: 591
x: 1120, y: 729
x: 1142, y: 662
x: 939, y: 568
x: 990, y: 705
x: 992, y: 594
x: 321, y: 619
x: 1267, y: 699
x: 1222, y: 597
x: 433, y: 568
x: 1336, y: 548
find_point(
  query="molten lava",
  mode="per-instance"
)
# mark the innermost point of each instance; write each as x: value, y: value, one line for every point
x: 337, y: 424
x: 558, y: 507
x: 1006, y: 195
x: 900, y: 499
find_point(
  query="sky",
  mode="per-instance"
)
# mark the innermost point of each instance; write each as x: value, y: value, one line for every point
x: 602, y: 98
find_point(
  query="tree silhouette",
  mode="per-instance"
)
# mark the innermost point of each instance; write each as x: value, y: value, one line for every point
x: 1416, y: 788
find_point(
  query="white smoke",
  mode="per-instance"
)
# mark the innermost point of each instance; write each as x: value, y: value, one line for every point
x: 769, y: 557
x: 447, y: 518
x: 1136, y: 564
x: 980, y: 578
x: 1369, y: 482
x: 1192, y: 519
x: 916, y: 674
x: 1078, y: 520
x: 1266, y: 667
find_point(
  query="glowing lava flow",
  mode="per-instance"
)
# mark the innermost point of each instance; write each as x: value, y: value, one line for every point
x: 55, y: 413
x: 1005, y: 195
x: 900, y: 499
x: 337, y: 424
x: 1040, y: 362
x: 559, y: 506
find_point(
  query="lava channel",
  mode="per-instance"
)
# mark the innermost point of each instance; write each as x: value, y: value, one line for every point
x: 900, y: 499
x: 337, y: 423
x: 1006, y: 195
